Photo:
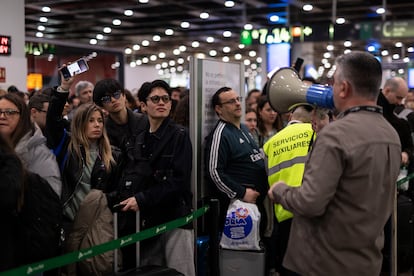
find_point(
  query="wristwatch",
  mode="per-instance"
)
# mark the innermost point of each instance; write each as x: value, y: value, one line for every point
x: 60, y: 90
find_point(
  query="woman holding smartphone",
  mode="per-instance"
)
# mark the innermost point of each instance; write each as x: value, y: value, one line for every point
x: 86, y: 160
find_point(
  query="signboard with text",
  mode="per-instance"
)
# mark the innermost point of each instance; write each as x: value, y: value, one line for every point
x: 5, y: 45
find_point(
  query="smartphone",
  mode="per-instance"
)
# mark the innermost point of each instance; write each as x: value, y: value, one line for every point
x: 298, y: 64
x: 118, y: 207
x: 75, y: 68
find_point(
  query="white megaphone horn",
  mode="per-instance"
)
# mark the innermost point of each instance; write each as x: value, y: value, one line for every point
x: 286, y: 90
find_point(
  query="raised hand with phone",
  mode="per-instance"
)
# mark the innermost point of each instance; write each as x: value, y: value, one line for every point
x: 74, y: 68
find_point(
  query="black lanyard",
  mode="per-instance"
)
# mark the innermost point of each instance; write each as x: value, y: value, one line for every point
x: 369, y: 108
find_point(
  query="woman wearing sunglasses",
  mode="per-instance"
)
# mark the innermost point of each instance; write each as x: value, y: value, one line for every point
x: 87, y: 163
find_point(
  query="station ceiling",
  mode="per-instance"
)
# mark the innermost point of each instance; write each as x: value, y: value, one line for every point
x: 79, y: 22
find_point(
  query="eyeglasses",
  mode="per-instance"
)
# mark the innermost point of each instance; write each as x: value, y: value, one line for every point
x: 107, y: 98
x: 9, y: 112
x: 233, y: 101
x: 156, y: 99
x: 41, y: 110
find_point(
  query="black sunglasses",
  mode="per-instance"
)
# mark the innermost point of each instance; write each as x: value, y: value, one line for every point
x: 107, y: 98
x: 156, y: 99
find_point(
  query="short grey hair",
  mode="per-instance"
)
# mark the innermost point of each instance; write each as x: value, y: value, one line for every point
x: 82, y: 85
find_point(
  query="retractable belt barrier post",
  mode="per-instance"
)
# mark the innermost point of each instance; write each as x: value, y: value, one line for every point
x: 86, y: 253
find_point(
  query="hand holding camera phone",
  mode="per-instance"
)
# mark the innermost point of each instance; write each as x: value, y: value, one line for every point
x: 75, y: 68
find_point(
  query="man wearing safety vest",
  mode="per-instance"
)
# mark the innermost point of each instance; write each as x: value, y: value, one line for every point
x: 285, y: 155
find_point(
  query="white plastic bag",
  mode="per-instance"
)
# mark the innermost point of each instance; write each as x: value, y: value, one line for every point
x: 241, y: 228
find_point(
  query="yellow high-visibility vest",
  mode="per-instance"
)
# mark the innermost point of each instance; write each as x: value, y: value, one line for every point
x: 286, y: 154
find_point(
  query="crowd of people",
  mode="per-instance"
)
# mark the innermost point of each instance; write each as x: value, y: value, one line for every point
x: 323, y: 180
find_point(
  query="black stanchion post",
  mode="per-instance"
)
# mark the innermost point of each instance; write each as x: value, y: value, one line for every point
x: 214, y: 230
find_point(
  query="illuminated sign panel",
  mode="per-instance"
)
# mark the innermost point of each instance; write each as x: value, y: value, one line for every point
x: 5, y: 45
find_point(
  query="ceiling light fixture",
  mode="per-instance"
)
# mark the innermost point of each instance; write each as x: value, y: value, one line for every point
x: 307, y: 7
x: 229, y: 4
x: 227, y: 34
x: 107, y: 30
x: 43, y: 19
x: 210, y: 39
x: 46, y: 9
x: 169, y: 32
x: 340, y: 20
x: 380, y: 10
x: 116, y: 22
x: 185, y: 25
x: 128, y: 12
x: 156, y: 38
x: 204, y: 15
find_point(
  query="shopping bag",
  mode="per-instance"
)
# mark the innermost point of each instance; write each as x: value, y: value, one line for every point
x: 241, y: 228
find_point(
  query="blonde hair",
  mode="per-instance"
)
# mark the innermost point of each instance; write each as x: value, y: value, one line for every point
x: 79, y: 138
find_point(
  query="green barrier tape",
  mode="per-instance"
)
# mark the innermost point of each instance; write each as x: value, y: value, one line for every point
x: 405, y: 179
x: 102, y: 248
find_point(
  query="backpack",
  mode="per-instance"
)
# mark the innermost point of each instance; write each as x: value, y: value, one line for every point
x: 40, y: 221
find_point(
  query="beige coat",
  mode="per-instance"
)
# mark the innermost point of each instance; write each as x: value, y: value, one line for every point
x: 93, y: 225
x: 346, y: 197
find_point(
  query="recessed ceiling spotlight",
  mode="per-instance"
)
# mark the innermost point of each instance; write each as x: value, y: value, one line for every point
x: 225, y: 59
x: 340, y: 20
x: 180, y: 60
x: 248, y: 26
x: 226, y: 49
x: 395, y: 56
x: 41, y: 28
x: 128, y: 51
x: 136, y: 47
x: 145, y: 43
x: 145, y: 60
x: 330, y: 47
x: 229, y: 4
x: 93, y: 41
x: 143, y: 1
x: 307, y: 7
x: 252, y: 53
x: 39, y: 34
x: 99, y: 36
x: 274, y: 18
x: 204, y: 15
x: 347, y: 43
x: 132, y: 64
x: 247, y: 62
x: 241, y: 46
x: 107, y: 30
x: 238, y: 56
x: 410, y: 49
x: 380, y: 10
x: 169, y: 32
x: 327, y: 55
x: 43, y: 19
x: 398, y: 44
x: 227, y: 34
x: 161, y: 55
x: 116, y: 22
x: 347, y: 51
x: 171, y: 63
x: 128, y: 12
x: 158, y: 66
x: 176, y: 52
x: 46, y: 9
x: 384, y: 53
x: 210, y: 39
x: 156, y: 38
x: 406, y: 59
x: 259, y: 59
x: 185, y: 25
x: 195, y: 44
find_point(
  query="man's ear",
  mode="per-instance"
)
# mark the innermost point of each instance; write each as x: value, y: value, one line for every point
x: 217, y: 108
x: 346, y: 89
x: 33, y: 111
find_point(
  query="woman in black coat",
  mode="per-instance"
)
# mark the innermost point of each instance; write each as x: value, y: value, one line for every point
x: 11, y: 185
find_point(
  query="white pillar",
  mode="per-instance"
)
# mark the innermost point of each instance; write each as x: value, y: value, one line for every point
x: 12, y: 25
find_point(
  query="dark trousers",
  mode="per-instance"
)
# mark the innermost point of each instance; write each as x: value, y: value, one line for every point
x: 282, y: 239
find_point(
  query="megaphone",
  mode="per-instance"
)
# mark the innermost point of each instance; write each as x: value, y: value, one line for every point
x: 285, y: 90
